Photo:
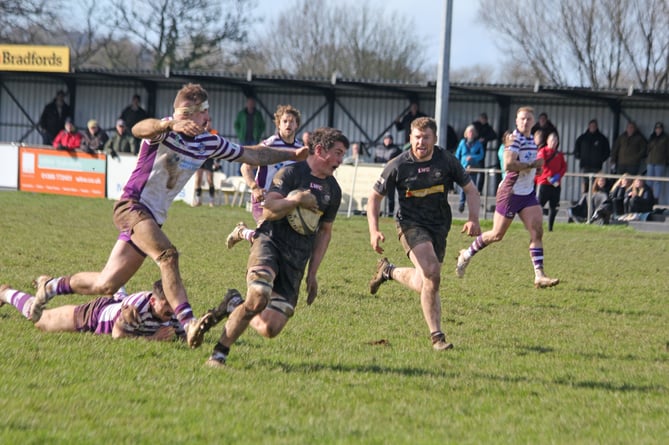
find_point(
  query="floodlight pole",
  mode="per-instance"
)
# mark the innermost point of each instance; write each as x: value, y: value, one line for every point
x: 441, y: 99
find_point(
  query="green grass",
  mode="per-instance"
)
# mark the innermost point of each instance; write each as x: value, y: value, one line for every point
x: 583, y: 363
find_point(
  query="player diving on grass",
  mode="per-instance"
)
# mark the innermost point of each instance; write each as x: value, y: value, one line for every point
x: 144, y: 314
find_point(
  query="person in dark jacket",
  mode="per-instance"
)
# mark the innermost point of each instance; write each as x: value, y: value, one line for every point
x: 629, y: 150
x: 403, y: 122
x: 592, y: 149
x: 52, y: 119
x: 544, y: 124
x: 484, y: 130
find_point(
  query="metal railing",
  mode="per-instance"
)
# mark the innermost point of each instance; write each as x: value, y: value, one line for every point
x: 491, y: 174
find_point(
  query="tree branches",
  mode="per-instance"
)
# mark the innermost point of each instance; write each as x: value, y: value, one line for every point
x: 607, y: 43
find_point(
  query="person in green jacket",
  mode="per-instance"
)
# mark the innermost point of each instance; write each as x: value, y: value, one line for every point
x: 249, y: 124
x: 121, y: 142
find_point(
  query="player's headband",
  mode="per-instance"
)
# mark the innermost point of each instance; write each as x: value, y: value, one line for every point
x: 204, y: 106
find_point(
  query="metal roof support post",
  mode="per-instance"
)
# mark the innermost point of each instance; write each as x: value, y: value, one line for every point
x: 441, y: 99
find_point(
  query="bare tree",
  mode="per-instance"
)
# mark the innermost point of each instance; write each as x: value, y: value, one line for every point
x: 25, y: 21
x: 473, y: 74
x: 351, y: 39
x: 186, y: 34
x: 607, y: 43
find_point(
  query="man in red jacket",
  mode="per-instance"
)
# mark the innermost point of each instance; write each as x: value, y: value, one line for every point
x: 68, y: 138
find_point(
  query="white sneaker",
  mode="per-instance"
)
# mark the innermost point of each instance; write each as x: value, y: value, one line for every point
x: 461, y: 264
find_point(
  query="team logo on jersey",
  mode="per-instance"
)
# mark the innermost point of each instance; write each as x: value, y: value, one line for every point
x: 326, y: 199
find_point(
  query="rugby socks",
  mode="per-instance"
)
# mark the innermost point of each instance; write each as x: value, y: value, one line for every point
x: 437, y: 336
x: 219, y: 348
x: 388, y: 272
x: 476, y: 246
x: 537, y: 255
x: 20, y: 300
x: 248, y: 234
x: 58, y: 286
x: 184, y: 313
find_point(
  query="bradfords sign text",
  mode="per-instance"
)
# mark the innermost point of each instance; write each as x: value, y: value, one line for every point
x: 35, y: 58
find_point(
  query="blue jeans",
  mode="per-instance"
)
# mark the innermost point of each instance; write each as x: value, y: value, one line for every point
x: 659, y: 187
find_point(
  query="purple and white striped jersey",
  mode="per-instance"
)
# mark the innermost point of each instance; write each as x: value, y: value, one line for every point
x: 165, y: 165
x: 265, y: 173
x: 521, y: 182
x: 149, y: 323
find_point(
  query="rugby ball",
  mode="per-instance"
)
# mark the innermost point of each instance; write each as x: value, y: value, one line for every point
x: 303, y: 221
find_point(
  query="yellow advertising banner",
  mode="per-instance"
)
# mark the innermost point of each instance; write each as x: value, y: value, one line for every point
x: 52, y: 59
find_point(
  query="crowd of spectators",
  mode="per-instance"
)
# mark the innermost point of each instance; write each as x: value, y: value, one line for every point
x: 57, y: 127
x: 631, y: 154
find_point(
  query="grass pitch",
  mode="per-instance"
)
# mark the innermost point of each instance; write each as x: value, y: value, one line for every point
x: 584, y: 362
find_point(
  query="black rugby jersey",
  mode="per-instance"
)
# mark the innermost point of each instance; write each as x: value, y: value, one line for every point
x: 327, y: 193
x: 422, y: 187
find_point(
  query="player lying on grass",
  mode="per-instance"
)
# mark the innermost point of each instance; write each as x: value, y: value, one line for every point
x: 143, y: 314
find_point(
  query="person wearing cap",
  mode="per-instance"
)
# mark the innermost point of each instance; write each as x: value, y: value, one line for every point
x: 94, y: 139
x: 121, y: 142
x: 658, y: 158
x: 52, y: 119
x: 68, y: 138
x: 382, y: 154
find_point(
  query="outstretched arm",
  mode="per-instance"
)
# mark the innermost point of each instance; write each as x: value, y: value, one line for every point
x: 261, y: 155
